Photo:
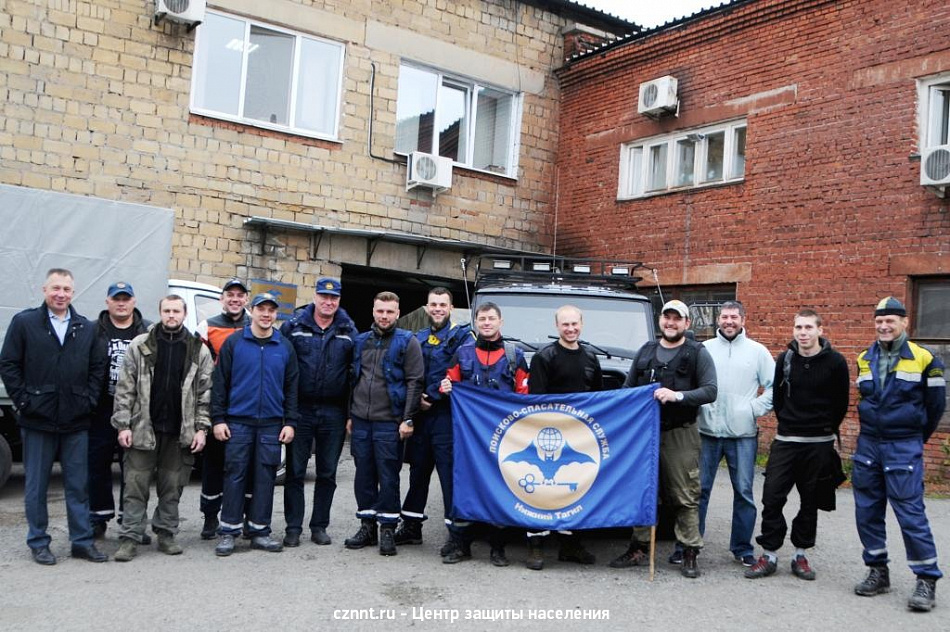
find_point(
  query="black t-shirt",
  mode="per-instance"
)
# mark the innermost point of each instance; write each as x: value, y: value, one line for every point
x: 556, y: 369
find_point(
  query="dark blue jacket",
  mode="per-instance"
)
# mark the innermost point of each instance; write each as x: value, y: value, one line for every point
x: 54, y: 386
x: 438, y: 349
x: 255, y: 382
x: 324, y: 356
x: 393, y: 370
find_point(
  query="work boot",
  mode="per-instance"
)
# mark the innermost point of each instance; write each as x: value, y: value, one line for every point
x: 319, y: 536
x: 99, y: 530
x: 292, y: 539
x: 409, y: 532
x: 635, y: 555
x: 209, y: 531
x: 447, y: 548
x: 535, y: 560
x: 366, y: 536
x: 878, y: 581
x: 167, y: 544
x: 266, y: 543
x: 690, y: 568
x: 127, y: 551
x: 498, y: 557
x: 225, y: 546
x: 460, y: 552
x: 925, y: 595
x: 387, y: 544
x: 571, y: 550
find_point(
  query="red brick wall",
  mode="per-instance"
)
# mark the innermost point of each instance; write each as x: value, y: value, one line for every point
x: 831, y: 206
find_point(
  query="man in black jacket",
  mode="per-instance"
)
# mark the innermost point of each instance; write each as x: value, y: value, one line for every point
x: 810, y: 398
x: 53, y: 373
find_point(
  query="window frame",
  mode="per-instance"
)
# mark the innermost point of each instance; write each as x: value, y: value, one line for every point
x: 636, y: 160
x: 939, y: 345
x: 929, y: 120
x: 472, y: 89
x: 199, y: 74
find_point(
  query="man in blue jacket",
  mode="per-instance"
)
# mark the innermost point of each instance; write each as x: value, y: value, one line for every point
x: 322, y: 335
x: 53, y: 372
x: 903, y: 394
x: 254, y: 410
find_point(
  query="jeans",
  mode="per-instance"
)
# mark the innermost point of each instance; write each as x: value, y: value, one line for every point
x: 326, y: 425
x: 376, y: 450
x: 740, y: 459
x: 252, y: 451
x: 103, y: 443
x: 430, y: 448
x: 39, y: 451
x: 171, y: 463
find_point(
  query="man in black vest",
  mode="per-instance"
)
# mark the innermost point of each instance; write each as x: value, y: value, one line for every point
x: 687, y: 376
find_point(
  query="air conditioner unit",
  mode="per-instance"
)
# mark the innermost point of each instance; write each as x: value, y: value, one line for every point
x: 190, y: 12
x: 431, y: 172
x: 658, y: 97
x: 935, y: 166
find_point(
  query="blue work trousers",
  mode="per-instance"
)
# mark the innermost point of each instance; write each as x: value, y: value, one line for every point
x: 377, y: 453
x: 39, y: 451
x: 429, y: 448
x: 321, y: 428
x: 252, y: 452
x: 893, y: 471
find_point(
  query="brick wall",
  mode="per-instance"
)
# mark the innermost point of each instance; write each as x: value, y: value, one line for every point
x: 831, y: 203
x: 94, y: 99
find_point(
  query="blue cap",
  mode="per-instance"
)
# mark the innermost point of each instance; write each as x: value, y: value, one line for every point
x: 235, y: 282
x: 120, y: 287
x: 265, y: 298
x: 326, y: 285
x: 890, y: 305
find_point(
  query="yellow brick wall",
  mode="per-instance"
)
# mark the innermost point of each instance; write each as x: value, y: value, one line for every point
x: 94, y: 99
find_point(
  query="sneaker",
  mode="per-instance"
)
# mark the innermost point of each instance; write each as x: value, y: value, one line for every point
x: 925, y: 595
x: 762, y: 568
x: 498, y: 557
x: 319, y: 536
x: 747, y: 560
x: 210, y: 529
x: 266, y: 543
x: 633, y: 556
x: 387, y: 537
x: 690, y: 566
x: 127, y: 551
x: 676, y: 557
x: 574, y: 551
x: 878, y: 581
x: 365, y: 536
x: 409, y: 532
x: 99, y: 530
x: 461, y: 551
x: 801, y: 568
x: 167, y: 544
x: 225, y: 546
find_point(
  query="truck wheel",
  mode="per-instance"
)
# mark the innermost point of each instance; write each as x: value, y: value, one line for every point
x: 6, y: 461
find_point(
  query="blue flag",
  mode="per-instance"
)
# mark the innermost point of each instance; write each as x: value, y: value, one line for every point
x: 575, y: 461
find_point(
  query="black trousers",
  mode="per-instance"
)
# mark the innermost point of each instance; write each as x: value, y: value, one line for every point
x: 792, y: 464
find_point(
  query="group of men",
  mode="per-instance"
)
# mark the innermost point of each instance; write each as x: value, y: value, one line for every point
x: 241, y: 387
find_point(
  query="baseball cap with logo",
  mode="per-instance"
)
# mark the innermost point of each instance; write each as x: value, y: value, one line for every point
x: 120, y: 287
x: 264, y: 298
x: 326, y: 285
x: 235, y: 282
x: 677, y: 306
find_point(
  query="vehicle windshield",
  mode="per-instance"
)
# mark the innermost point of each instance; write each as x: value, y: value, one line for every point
x: 616, y: 325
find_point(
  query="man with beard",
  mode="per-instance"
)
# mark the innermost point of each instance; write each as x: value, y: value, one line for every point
x: 214, y: 332
x: 489, y: 363
x: 811, y: 400
x: 388, y: 374
x: 119, y: 323
x: 254, y: 410
x: 728, y: 428
x: 563, y: 367
x: 322, y: 335
x: 161, y: 413
x: 430, y: 446
x: 687, y: 376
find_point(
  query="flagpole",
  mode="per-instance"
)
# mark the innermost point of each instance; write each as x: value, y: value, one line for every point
x: 652, y: 551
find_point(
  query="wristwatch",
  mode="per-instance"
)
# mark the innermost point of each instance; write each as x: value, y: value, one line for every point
x: 679, y: 396
x: 408, y: 422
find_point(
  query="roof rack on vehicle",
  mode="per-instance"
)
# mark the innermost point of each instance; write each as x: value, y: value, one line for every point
x: 505, y: 269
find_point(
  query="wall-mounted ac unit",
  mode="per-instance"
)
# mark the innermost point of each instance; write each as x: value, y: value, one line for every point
x: 935, y: 166
x: 190, y: 12
x: 658, y: 97
x: 431, y: 172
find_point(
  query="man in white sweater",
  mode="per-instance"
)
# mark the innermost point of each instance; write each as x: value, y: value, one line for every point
x: 728, y: 427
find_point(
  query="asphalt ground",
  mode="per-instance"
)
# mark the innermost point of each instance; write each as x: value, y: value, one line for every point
x: 330, y: 588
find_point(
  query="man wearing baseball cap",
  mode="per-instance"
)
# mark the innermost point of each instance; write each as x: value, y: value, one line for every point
x: 687, y: 375
x: 903, y: 394
x: 322, y: 335
x: 214, y: 332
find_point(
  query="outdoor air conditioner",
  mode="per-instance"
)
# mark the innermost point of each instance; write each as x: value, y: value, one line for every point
x: 426, y: 170
x: 658, y: 97
x: 190, y: 12
x: 935, y: 166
